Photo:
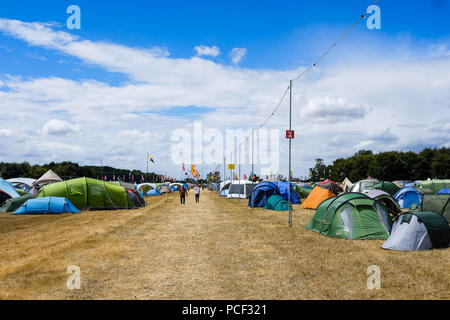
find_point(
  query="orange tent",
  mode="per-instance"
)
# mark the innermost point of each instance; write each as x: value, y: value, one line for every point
x: 316, y: 197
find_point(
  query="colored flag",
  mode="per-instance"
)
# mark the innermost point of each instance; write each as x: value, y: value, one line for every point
x: 151, y: 159
x: 245, y: 177
x: 184, y: 169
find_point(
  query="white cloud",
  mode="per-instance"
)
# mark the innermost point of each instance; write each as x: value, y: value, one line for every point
x: 207, y: 51
x: 323, y: 108
x: 337, y: 110
x: 57, y: 127
x: 237, y: 54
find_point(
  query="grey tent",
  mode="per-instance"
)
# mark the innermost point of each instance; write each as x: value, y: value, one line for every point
x: 418, y: 231
x: 48, y: 178
x: 385, y: 198
x: 346, y: 185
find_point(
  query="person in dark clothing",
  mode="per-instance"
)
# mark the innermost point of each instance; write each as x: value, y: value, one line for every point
x: 183, y: 193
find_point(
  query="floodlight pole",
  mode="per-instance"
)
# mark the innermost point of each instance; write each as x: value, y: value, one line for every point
x: 290, y: 147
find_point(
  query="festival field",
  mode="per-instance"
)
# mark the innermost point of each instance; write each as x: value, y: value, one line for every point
x: 218, y: 249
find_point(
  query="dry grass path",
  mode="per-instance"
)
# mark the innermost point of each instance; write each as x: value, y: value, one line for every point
x: 217, y: 249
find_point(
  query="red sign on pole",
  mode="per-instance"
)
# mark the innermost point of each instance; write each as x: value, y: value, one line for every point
x: 290, y: 134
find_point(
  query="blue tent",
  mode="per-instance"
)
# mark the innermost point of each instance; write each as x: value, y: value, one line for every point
x: 283, y: 186
x: 261, y: 194
x: 444, y: 191
x: 153, y: 193
x: 7, y: 191
x: 48, y: 205
x: 408, y: 196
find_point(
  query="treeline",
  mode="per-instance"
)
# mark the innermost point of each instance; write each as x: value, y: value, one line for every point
x: 69, y: 170
x: 389, y: 166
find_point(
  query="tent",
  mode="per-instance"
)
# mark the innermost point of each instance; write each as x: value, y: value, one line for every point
x: 351, y: 216
x: 87, y: 193
x: 22, y: 183
x: 224, y: 188
x: 7, y: 191
x: 21, y: 192
x: 346, y: 185
x: 303, y: 191
x: 13, y: 204
x: 145, y: 187
x: 164, y: 189
x: 432, y: 186
x: 385, y: 199
x: 240, y: 189
x: 444, y: 191
x: 277, y: 203
x: 153, y: 193
x: 387, y: 186
x: 47, y: 205
x: 136, y: 197
x: 438, y: 203
x: 407, y: 197
x: 48, y: 178
x: 261, y: 194
x: 319, y: 194
x: 362, y: 185
x: 284, y: 190
x: 419, y: 231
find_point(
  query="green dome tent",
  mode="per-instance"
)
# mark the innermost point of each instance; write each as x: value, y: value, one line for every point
x: 438, y: 203
x: 303, y: 191
x: 387, y: 186
x: 277, y: 203
x: 13, y: 204
x: 87, y: 193
x: 351, y: 216
x: 432, y: 186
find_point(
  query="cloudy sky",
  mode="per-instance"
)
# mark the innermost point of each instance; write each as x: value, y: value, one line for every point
x: 135, y: 72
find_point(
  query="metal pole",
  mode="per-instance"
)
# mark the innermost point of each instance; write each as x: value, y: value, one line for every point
x: 103, y: 177
x: 290, y: 147
x: 240, y: 173
x: 253, y: 166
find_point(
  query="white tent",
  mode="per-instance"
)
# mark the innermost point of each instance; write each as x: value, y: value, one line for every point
x: 418, y: 231
x: 408, y: 236
x: 48, y: 178
x: 240, y: 189
x: 346, y: 185
x: 21, y: 182
x: 362, y: 185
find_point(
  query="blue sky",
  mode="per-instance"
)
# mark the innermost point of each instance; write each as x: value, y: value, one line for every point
x: 166, y: 82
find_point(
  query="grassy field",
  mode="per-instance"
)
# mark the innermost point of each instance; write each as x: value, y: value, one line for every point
x: 218, y: 249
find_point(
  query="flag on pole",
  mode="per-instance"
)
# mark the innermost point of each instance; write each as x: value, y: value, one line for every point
x: 184, y: 169
x: 245, y: 177
x: 151, y: 159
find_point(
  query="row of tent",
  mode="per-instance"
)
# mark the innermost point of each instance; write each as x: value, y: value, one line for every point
x: 369, y: 209
x: 50, y: 192
x: 272, y: 195
x: 363, y: 216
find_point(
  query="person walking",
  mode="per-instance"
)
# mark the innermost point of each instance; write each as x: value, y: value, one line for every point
x: 183, y: 193
x: 197, y: 194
